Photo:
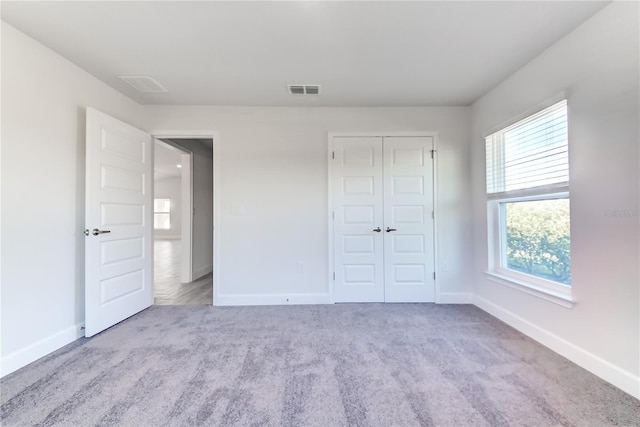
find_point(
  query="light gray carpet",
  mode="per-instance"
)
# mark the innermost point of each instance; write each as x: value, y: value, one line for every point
x: 334, y: 365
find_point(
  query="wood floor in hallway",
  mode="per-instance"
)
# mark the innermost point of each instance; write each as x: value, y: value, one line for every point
x: 167, y: 289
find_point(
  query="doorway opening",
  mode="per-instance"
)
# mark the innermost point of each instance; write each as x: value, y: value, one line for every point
x: 183, y: 221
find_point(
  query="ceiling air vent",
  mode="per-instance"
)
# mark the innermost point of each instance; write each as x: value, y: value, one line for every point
x: 312, y: 90
x: 296, y: 90
x: 304, y: 89
x: 144, y: 84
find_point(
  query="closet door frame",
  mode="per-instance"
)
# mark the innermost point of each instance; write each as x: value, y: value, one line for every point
x: 330, y: 213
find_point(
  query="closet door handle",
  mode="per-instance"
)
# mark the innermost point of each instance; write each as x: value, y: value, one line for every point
x: 391, y: 229
x: 377, y: 230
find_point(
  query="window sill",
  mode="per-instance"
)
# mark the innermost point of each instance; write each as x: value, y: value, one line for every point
x: 528, y: 288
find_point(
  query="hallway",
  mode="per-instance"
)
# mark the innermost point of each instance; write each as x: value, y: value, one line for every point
x: 167, y: 289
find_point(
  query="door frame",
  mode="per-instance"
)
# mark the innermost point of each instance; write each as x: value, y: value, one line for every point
x: 331, y: 135
x: 215, y: 136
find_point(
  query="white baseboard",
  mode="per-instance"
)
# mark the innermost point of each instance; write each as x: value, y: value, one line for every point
x: 620, y: 378
x: 16, y: 360
x: 454, y: 298
x: 273, y: 299
x: 202, y: 272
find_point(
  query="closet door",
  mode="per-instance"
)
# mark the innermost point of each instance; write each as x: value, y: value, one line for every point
x: 408, y: 207
x: 357, y: 187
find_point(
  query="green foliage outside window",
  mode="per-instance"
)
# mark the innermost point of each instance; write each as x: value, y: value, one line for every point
x: 538, y: 239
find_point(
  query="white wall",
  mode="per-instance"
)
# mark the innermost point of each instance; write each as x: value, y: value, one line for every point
x: 43, y: 100
x: 202, y: 173
x: 273, y: 164
x: 170, y: 188
x: 597, y: 64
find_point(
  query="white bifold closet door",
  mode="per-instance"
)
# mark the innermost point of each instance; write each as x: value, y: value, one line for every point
x: 383, y: 238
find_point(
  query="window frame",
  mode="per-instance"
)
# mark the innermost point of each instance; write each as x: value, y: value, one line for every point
x: 497, y: 248
x: 497, y: 270
x: 162, y: 212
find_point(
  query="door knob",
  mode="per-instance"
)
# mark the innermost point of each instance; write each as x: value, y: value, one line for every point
x: 95, y: 231
x: 391, y: 229
x: 377, y: 230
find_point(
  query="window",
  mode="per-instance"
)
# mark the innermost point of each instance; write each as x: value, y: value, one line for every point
x: 528, y: 202
x: 162, y: 214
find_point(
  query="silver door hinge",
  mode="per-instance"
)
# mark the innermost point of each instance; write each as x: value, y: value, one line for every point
x: 334, y: 276
x: 433, y: 215
x: 432, y: 153
x: 333, y: 155
x: 333, y: 214
x: 434, y: 275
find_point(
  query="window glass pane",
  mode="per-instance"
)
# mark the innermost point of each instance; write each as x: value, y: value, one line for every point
x: 162, y: 221
x: 162, y: 205
x: 538, y: 238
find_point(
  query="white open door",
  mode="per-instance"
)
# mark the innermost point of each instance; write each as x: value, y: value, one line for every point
x: 118, y: 221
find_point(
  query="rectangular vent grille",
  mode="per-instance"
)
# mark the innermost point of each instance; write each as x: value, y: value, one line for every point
x: 304, y: 89
x: 144, y: 84
x: 296, y: 90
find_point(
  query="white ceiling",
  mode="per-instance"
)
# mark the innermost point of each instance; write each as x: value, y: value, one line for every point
x: 245, y: 53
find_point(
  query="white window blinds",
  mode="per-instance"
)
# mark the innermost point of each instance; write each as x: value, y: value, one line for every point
x: 530, y: 153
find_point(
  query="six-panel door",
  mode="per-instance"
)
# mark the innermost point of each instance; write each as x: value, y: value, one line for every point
x: 383, y: 226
